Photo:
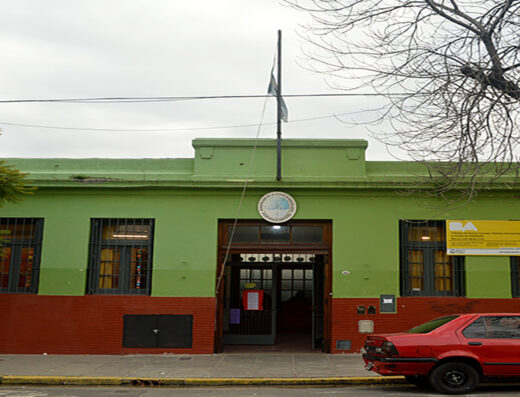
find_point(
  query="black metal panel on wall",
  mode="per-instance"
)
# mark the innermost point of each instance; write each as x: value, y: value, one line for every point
x: 157, y: 330
x: 175, y: 331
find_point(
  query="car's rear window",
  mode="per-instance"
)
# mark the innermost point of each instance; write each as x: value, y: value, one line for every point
x: 431, y: 325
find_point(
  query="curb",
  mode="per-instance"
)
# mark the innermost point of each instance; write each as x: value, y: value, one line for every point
x: 132, y: 381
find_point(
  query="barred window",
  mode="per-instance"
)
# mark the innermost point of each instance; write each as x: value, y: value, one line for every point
x: 426, y: 270
x: 515, y: 276
x: 120, y: 256
x: 20, y: 248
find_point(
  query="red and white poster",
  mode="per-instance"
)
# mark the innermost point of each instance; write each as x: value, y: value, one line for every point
x: 253, y: 299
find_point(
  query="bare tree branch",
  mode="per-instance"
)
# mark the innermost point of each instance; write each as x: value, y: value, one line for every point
x: 444, y: 12
x: 457, y: 65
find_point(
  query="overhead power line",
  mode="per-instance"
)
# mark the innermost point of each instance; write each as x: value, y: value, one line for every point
x: 191, y: 98
x: 55, y: 127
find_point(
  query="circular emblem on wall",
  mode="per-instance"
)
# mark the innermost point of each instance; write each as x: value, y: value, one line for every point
x: 277, y: 207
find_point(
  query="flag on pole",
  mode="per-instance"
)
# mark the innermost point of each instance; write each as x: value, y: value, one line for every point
x: 273, y: 90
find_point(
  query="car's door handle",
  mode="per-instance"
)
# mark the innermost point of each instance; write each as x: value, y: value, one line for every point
x: 475, y: 343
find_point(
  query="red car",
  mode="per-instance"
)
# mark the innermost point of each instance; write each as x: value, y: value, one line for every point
x: 452, y: 353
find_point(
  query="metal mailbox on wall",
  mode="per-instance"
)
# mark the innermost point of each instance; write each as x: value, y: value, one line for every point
x: 387, y: 304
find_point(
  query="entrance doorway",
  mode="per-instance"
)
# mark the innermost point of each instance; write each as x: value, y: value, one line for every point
x: 275, y: 287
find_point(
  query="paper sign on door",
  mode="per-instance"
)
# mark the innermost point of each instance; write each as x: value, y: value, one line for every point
x: 253, y: 299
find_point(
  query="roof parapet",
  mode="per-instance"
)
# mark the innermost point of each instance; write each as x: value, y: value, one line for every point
x: 309, y: 159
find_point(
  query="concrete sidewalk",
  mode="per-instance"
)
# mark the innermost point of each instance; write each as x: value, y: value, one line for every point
x: 182, y: 370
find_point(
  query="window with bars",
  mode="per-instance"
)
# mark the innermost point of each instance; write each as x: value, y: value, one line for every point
x: 515, y: 276
x: 20, y: 248
x: 120, y: 256
x: 426, y: 270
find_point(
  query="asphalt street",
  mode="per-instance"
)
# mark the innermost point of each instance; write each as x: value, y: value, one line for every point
x: 365, y: 391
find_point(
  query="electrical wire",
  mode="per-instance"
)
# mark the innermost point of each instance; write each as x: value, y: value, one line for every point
x: 54, y: 127
x: 191, y: 98
x: 241, y: 201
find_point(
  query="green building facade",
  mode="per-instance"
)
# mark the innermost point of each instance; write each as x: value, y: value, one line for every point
x: 174, y: 273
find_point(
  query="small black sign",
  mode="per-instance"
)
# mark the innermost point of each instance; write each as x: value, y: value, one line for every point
x: 387, y: 304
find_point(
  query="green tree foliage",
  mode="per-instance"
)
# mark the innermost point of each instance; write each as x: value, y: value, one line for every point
x: 13, y: 184
x: 12, y: 187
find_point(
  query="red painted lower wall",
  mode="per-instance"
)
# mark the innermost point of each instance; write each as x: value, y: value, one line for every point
x: 93, y: 324
x: 410, y: 312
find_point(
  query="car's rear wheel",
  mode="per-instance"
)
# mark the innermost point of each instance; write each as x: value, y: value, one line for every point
x: 417, y: 380
x: 454, y: 378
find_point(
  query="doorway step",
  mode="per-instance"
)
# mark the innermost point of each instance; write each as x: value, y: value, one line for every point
x: 285, y: 343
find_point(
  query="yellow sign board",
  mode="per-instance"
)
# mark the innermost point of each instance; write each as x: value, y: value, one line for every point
x: 470, y: 237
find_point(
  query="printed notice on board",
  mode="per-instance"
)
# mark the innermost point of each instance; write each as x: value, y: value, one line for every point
x: 472, y: 237
x: 253, y: 301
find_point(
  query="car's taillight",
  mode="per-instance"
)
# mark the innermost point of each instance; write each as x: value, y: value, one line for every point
x: 387, y: 348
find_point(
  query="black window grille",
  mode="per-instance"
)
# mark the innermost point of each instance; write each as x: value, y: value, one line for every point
x: 120, y: 256
x: 425, y: 269
x: 515, y: 276
x: 20, y: 249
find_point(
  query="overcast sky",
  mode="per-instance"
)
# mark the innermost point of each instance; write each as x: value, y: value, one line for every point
x: 149, y: 48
